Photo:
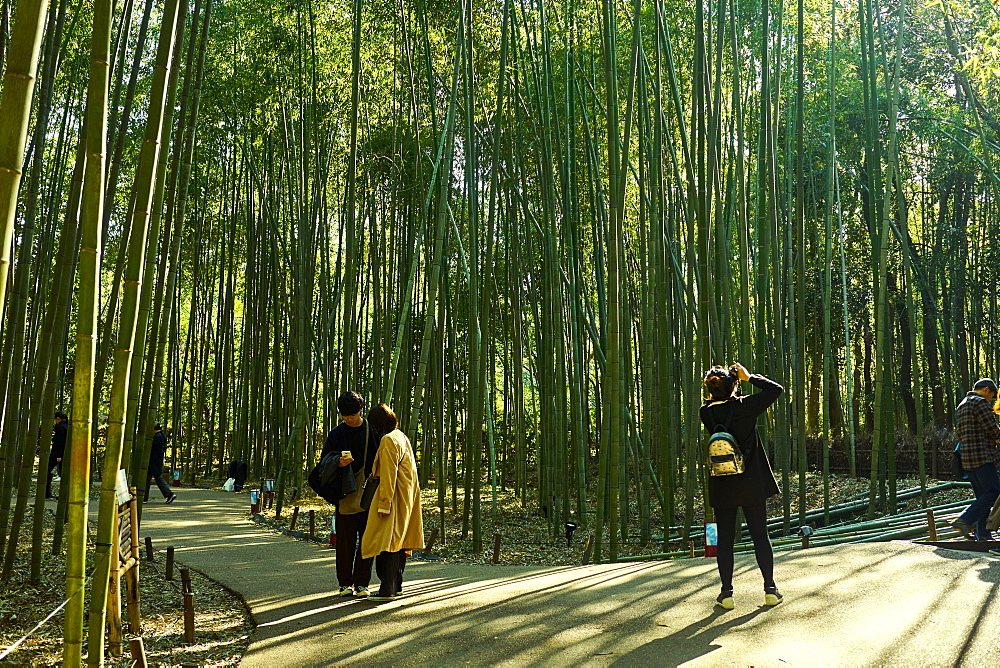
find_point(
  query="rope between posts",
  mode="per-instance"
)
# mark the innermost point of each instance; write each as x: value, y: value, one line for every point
x: 173, y: 584
x: 7, y: 652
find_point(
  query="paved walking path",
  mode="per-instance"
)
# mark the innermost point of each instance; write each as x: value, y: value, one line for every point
x: 876, y: 604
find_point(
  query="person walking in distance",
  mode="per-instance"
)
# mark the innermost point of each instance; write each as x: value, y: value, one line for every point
x: 59, y: 434
x: 979, y: 434
x: 155, y: 469
x: 749, y: 489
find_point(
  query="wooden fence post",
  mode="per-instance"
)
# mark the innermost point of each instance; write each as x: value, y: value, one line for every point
x: 138, y: 652
x: 170, y: 563
x: 189, y: 617
x: 430, y: 541
x: 587, y: 551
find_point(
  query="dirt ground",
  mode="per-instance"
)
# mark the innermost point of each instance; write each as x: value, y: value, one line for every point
x: 222, y: 622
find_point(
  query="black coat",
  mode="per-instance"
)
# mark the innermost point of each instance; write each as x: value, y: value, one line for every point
x: 756, y: 484
x: 157, y: 453
x: 343, y: 437
x: 59, y: 434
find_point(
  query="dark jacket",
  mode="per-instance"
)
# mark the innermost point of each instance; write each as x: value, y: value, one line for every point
x: 343, y: 437
x: 756, y: 484
x: 157, y: 453
x: 344, y: 485
x: 59, y: 434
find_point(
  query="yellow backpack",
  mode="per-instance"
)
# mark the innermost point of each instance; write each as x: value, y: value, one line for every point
x: 724, y: 455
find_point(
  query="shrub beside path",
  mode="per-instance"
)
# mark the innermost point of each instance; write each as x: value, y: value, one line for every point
x: 857, y: 605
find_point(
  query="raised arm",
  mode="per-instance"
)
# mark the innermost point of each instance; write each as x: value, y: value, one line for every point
x: 769, y: 393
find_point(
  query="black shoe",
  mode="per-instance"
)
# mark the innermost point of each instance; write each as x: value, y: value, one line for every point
x: 170, y: 499
x: 772, y: 596
x: 964, y: 528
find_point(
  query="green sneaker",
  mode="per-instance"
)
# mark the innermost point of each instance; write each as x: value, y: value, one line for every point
x: 345, y: 591
x: 725, y: 600
x: 361, y: 592
x: 772, y: 596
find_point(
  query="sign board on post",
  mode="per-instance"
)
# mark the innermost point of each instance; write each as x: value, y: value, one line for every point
x: 121, y: 487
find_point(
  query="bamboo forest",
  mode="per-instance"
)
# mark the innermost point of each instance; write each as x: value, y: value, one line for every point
x: 528, y: 226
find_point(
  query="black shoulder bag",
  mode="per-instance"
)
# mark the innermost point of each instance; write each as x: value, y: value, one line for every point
x: 371, y: 483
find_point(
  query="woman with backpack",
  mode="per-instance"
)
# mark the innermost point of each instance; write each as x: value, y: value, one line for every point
x: 744, y: 478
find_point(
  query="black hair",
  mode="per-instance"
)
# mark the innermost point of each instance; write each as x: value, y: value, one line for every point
x: 985, y: 382
x: 350, y: 403
x: 719, y: 381
x: 61, y: 416
x: 157, y: 427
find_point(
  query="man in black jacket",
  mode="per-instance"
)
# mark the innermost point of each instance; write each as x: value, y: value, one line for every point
x: 353, y: 434
x: 59, y: 434
x: 155, y: 468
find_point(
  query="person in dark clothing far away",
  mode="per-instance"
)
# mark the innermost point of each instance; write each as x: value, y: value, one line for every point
x: 978, y: 434
x: 59, y: 434
x: 748, y: 490
x: 355, y: 435
x: 155, y: 468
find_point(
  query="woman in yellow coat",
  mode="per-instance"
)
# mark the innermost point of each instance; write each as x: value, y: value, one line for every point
x: 395, y: 526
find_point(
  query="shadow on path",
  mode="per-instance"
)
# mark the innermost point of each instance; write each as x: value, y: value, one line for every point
x: 872, y: 604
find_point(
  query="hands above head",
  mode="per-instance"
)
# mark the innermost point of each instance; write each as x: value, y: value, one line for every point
x: 741, y: 371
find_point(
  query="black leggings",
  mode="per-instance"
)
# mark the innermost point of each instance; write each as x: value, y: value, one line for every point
x: 756, y: 517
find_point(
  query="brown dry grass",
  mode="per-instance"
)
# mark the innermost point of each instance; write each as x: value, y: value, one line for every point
x: 222, y: 623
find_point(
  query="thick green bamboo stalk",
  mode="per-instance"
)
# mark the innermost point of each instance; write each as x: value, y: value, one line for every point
x: 349, y: 335
x: 145, y: 187
x: 15, y: 112
x: 20, y: 411
x: 612, y: 371
x: 828, y: 359
x: 86, y: 333
x: 799, y: 382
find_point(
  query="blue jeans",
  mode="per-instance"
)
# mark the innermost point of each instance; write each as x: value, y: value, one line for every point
x: 985, y: 481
